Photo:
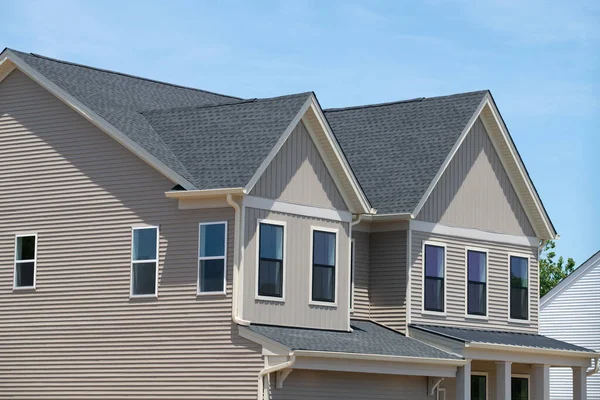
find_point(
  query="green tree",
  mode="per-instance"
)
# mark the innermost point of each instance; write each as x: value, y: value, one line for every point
x: 553, y: 271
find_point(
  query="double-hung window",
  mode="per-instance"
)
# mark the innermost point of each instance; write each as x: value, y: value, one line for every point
x: 476, y: 282
x: 25, y: 261
x: 324, y: 249
x: 519, y: 287
x: 435, y: 260
x: 144, y: 261
x: 212, y: 257
x: 270, y: 259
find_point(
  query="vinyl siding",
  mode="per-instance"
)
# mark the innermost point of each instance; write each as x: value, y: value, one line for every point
x: 387, y: 282
x: 303, y: 384
x: 298, y: 174
x: 475, y: 191
x: 79, y: 335
x: 456, y: 292
x: 296, y: 311
x: 361, y: 274
x: 573, y: 315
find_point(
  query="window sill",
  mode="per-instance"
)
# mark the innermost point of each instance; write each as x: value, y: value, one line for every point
x: 519, y: 321
x: 143, y: 298
x: 269, y: 299
x: 477, y: 317
x: 322, y: 304
x: 24, y: 289
x: 434, y: 313
x: 205, y: 294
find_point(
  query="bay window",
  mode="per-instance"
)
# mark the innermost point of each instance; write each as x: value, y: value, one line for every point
x: 324, y: 249
x: 476, y: 283
x: 270, y: 259
x: 519, y: 287
x: 434, y: 261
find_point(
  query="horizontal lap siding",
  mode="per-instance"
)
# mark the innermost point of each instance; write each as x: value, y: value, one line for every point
x: 497, y: 285
x: 78, y: 335
x: 361, y: 274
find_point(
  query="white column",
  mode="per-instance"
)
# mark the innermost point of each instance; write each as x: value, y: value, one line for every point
x: 503, y: 371
x: 541, y: 382
x: 463, y: 382
x: 579, y: 383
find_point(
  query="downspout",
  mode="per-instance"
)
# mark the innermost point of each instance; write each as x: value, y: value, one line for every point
x: 595, y: 369
x: 352, y: 224
x: 266, y: 371
x: 236, y: 264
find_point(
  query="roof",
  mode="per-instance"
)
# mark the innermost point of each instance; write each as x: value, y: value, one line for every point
x: 396, y: 149
x: 575, y: 275
x: 367, y: 337
x: 529, y: 340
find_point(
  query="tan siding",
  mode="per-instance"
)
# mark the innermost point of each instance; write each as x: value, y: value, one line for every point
x: 296, y: 310
x: 475, y: 191
x: 78, y: 335
x: 455, y: 275
x: 303, y: 384
x: 361, y: 274
x: 388, y: 278
x: 298, y: 174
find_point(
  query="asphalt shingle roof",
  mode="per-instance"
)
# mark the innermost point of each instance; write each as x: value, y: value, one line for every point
x: 501, y: 337
x: 395, y: 149
x: 367, y: 337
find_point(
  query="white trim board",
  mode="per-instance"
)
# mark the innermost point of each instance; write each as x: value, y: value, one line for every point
x: 298, y: 209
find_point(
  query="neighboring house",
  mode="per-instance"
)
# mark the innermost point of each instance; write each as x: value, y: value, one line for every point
x: 158, y: 241
x: 571, y: 312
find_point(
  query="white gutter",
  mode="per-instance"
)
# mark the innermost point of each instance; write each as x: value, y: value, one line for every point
x: 181, y: 194
x: 532, y: 350
x: 595, y: 369
x: 236, y: 264
x: 389, y: 217
x: 380, y: 357
x: 266, y: 371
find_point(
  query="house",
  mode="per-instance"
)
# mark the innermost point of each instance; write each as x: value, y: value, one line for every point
x: 158, y: 241
x: 571, y: 312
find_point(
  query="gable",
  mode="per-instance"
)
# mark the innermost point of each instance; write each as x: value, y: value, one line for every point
x: 475, y: 191
x: 298, y: 174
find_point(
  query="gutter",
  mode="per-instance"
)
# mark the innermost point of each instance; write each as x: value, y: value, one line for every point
x: 186, y: 194
x: 534, y: 350
x: 380, y: 357
x: 236, y: 264
x: 268, y: 370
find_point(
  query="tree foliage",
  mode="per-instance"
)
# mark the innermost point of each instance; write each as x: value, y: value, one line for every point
x: 553, y: 271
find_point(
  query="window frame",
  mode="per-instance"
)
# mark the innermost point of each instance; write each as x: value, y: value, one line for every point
x: 352, y: 273
x: 336, y: 267
x: 518, y: 320
x: 15, y: 262
x: 487, y: 382
x: 283, y: 263
x: 132, y: 262
x: 487, y: 283
x: 424, y: 311
x: 523, y: 376
x: 223, y: 257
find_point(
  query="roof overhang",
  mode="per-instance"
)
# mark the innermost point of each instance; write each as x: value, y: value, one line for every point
x: 201, y: 194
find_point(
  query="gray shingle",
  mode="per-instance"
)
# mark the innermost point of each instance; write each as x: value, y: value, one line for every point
x: 395, y: 149
x: 366, y: 338
x: 501, y: 337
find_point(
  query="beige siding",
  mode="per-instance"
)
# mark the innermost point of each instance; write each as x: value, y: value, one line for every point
x: 298, y: 174
x: 296, y: 310
x: 361, y: 274
x: 79, y: 335
x: 475, y: 191
x: 456, y: 279
x: 316, y: 385
x: 388, y: 278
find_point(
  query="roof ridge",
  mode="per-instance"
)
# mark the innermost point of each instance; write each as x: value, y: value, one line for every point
x: 125, y: 74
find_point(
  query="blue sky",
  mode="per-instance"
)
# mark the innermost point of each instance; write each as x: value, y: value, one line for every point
x: 541, y: 60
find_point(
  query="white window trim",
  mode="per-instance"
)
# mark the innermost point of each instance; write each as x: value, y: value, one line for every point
x: 440, y: 394
x: 423, y: 310
x: 15, y: 287
x: 487, y: 284
x: 487, y: 381
x: 283, y: 266
x: 223, y: 257
x: 352, y: 259
x: 525, y: 376
x: 337, y: 267
x: 141, y: 296
x: 516, y: 320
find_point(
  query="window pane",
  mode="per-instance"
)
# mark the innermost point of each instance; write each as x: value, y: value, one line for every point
x: 518, y: 272
x: 519, y: 389
x: 270, y: 278
x: 26, y: 248
x: 324, y: 248
x: 434, y: 261
x: 323, y: 284
x: 211, y: 275
x: 144, y: 278
x: 271, y: 241
x: 476, y: 266
x: 476, y: 298
x: 212, y: 240
x: 519, y: 303
x: 25, y: 272
x: 434, y: 294
x: 478, y: 391
x: 144, y: 244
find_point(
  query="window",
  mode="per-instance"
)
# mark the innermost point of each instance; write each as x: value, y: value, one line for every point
x: 352, y: 261
x: 476, y: 282
x: 441, y: 394
x: 434, y: 277
x: 324, y: 249
x: 144, y: 261
x: 270, y: 259
x: 519, y: 288
x: 519, y: 388
x: 212, y: 260
x: 478, y: 387
x: 25, y: 261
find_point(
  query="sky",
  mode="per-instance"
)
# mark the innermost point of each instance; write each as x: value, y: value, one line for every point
x: 540, y: 59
